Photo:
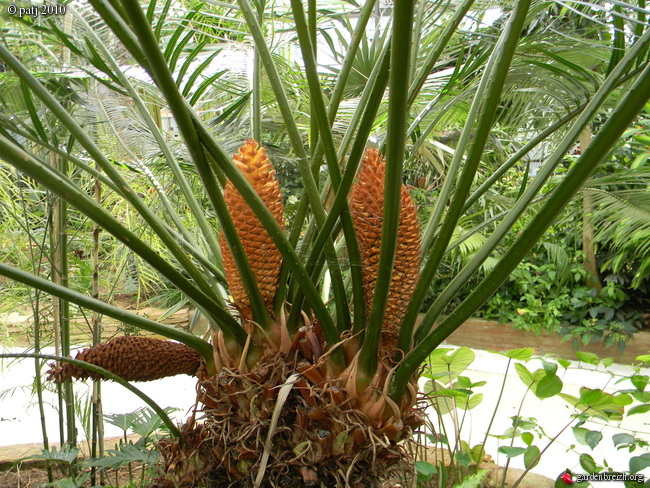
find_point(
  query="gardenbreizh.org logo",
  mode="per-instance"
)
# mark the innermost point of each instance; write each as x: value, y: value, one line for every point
x: 567, y: 478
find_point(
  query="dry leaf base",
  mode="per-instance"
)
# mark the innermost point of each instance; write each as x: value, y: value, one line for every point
x: 320, y: 438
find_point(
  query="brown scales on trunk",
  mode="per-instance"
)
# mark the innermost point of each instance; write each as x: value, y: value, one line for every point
x: 367, y: 209
x: 263, y: 256
x: 132, y: 359
x: 322, y: 438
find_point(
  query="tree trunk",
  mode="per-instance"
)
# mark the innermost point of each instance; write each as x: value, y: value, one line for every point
x: 588, y: 246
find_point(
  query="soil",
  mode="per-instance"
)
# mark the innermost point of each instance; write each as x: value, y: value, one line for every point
x: 23, y: 478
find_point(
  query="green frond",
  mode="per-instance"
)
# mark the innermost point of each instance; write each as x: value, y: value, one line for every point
x: 557, y: 255
x: 621, y: 220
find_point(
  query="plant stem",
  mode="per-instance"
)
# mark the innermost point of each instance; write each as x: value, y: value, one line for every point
x: 165, y: 82
x: 496, y: 407
x: 97, y: 420
x: 202, y: 347
x: 126, y: 191
x: 586, y: 113
x: 60, y: 277
x: 450, y: 29
x: 523, y: 475
x: 256, y: 99
x: 303, y: 159
x: 320, y: 116
x: 514, y: 432
x: 401, y: 44
x: 621, y: 117
x: 479, y: 125
x: 179, y: 178
x: 287, y: 250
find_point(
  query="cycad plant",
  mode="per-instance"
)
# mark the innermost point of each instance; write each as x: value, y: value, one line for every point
x: 310, y: 372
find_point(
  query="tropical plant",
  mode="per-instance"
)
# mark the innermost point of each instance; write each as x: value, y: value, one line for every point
x: 143, y: 454
x: 310, y: 376
x: 453, y: 394
x: 541, y: 296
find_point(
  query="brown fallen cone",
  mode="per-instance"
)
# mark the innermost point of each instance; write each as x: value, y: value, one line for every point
x: 132, y: 359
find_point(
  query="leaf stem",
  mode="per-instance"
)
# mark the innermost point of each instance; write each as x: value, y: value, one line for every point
x: 479, y: 126
x: 401, y: 44
x: 621, y: 117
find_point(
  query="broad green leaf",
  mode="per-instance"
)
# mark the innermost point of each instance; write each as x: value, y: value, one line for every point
x: 478, y: 453
x: 473, y: 481
x: 525, y: 375
x: 645, y: 358
x: 509, y: 433
x: 639, y: 463
x: 464, y: 458
x: 588, y: 464
x: 523, y: 354
x: 587, y: 437
x: 464, y: 382
x: 65, y: 455
x: 453, y: 364
x: 531, y: 457
x: 606, y: 408
x: 511, y: 452
x: 124, y: 421
x: 445, y: 399
x: 607, y: 362
x: 639, y: 381
x: 587, y: 357
x: 548, y: 386
x: 470, y: 402
x: 147, y: 421
x: 622, y: 399
x: 523, y: 422
x: 589, y: 397
x: 431, y: 376
x: 622, y: 439
x: 440, y: 351
x: 528, y: 438
x: 125, y: 454
x: 593, y: 438
x: 425, y: 470
x: 639, y: 409
x: 550, y: 368
x: 641, y: 396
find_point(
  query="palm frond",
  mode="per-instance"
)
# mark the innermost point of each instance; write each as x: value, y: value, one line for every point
x: 621, y: 221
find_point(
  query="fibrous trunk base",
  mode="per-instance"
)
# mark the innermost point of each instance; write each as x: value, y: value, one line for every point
x: 320, y: 438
